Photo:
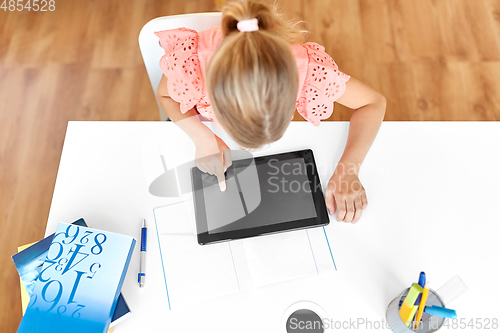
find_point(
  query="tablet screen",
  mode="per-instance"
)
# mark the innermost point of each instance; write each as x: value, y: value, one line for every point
x: 281, y: 194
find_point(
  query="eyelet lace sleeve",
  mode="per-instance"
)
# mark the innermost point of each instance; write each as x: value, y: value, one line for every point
x: 323, y: 85
x: 181, y: 66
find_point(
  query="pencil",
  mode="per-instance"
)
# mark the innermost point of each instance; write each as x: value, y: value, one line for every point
x: 421, y: 308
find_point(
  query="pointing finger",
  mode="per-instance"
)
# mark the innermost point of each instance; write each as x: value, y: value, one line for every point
x: 219, y: 173
x: 228, y: 160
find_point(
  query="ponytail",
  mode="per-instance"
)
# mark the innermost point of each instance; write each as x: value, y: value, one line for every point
x: 269, y: 20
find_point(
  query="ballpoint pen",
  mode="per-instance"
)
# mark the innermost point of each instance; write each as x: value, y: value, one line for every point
x: 144, y: 236
x: 421, y: 281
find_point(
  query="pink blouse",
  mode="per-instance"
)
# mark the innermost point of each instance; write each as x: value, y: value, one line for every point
x: 188, y: 52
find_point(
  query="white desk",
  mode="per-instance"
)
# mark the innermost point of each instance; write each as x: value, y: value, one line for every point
x: 435, y: 184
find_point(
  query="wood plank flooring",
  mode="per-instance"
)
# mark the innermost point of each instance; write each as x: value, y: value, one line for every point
x: 432, y: 59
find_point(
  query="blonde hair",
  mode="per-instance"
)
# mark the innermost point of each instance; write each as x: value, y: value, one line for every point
x: 252, y: 78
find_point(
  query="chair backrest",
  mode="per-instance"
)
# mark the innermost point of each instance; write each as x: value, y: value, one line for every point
x: 152, y: 51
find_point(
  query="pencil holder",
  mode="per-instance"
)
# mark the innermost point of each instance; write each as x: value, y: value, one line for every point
x: 428, y: 323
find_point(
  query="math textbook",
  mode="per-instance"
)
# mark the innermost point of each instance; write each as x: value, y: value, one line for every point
x: 29, y: 261
x: 80, y: 281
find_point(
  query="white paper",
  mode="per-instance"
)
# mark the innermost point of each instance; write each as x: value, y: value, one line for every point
x: 195, y: 273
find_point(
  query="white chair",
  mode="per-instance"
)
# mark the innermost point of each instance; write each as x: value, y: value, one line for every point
x: 150, y: 46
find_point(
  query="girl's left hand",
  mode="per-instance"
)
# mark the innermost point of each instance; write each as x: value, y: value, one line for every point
x: 346, y: 195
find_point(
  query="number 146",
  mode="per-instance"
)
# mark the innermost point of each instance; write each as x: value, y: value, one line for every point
x: 35, y: 5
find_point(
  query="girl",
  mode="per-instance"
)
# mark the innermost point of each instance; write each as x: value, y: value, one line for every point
x: 249, y: 76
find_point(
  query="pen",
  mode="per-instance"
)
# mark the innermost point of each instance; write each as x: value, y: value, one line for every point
x: 144, y: 237
x: 421, y: 282
x: 421, y: 279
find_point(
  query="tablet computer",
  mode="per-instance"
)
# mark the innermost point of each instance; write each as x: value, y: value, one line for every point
x: 264, y: 195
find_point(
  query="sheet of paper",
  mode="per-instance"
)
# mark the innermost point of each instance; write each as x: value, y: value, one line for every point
x: 195, y: 273
x: 284, y: 256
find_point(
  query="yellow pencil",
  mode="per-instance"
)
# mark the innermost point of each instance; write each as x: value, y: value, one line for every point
x: 421, y: 308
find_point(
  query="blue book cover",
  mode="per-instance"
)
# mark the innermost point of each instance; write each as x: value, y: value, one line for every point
x: 29, y: 263
x: 80, y: 281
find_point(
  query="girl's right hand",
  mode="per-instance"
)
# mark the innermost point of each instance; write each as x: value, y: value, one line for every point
x: 213, y: 156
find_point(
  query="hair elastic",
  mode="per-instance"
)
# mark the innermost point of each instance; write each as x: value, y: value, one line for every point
x: 248, y: 25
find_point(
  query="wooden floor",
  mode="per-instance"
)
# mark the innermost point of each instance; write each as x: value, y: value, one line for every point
x: 432, y: 59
